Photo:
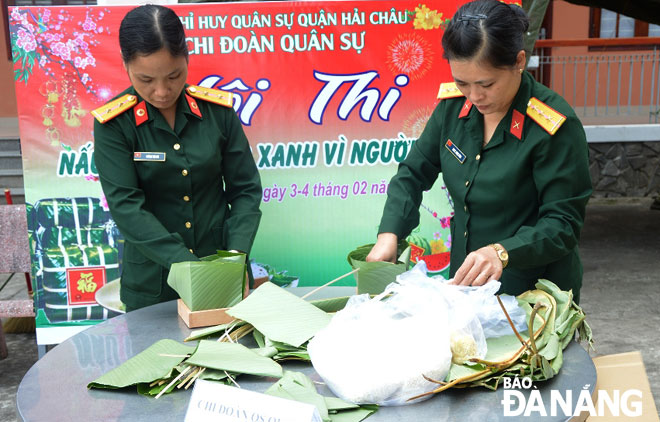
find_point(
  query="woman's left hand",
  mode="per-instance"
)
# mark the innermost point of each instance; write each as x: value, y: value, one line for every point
x: 479, y: 267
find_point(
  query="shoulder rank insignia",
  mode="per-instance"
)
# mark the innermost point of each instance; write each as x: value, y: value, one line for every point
x: 114, y: 108
x: 547, y: 117
x: 211, y: 95
x: 449, y: 90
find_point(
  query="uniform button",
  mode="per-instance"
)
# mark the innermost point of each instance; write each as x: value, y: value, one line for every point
x: 184, y: 172
x: 465, y: 234
x: 186, y: 198
x: 467, y: 182
x: 188, y: 224
x: 177, y: 147
x: 478, y: 157
x: 191, y: 251
x: 465, y: 208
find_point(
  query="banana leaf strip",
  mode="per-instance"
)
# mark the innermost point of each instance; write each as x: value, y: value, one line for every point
x: 354, y: 415
x: 280, y: 315
x: 209, y: 331
x: 335, y: 404
x: 259, y: 338
x: 233, y: 357
x: 156, y: 362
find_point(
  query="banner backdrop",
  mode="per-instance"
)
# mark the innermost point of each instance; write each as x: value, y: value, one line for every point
x: 332, y: 96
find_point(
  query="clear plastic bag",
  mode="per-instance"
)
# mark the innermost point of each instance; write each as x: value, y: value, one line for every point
x: 488, y: 310
x: 376, y: 350
x: 467, y: 339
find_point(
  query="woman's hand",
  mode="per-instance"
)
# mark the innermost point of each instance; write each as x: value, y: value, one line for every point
x: 479, y: 267
x: 384, y: 249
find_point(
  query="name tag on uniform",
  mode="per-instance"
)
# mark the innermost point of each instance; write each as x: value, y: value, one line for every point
x: 455, y: 151
x: 148, y: 156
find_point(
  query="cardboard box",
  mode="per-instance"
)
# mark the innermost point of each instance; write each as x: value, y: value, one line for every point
x: 205, y: 318
x: 623, y: 372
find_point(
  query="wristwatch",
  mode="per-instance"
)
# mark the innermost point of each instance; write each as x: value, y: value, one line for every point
x: 502, y: 254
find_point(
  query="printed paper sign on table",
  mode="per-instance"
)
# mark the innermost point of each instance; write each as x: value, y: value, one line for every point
x: 215, y: 402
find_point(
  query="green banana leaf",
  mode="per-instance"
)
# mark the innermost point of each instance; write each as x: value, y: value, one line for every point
x: 500, y: 349
x: 156, y: 362
x: 297, y: 386
x: 266, y: 351
x: 210, y: 374
x: 373, y: 277
x: 259, y: 338
x: 283, y: 351
x: 280, y: 315
x: 331, y: 305
x: 217, y: 281
x: 233, y: 357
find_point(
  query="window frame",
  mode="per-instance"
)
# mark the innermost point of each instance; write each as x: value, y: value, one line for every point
x: 641, y: 30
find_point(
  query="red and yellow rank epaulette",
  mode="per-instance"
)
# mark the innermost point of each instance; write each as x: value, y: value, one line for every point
x: 215, y: 96
x: 449, y: 90
x: 547, y: 117
x: 114, y: 108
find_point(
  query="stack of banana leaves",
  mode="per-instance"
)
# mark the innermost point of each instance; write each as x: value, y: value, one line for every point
x: 282, y: 324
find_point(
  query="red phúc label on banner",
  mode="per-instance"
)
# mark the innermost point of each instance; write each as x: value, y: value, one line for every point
x: 82, y: 284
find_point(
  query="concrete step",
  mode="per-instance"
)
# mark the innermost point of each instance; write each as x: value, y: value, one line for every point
x: 11, y: 178
x: 10, y: 160
x: 10, y: 144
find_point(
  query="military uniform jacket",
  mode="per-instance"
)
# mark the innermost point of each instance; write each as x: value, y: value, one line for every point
x: 526, y: 189
x: 175, y: 195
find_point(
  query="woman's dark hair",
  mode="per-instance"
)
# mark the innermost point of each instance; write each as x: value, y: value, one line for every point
x: 486, y: 30
x: 149, y: 28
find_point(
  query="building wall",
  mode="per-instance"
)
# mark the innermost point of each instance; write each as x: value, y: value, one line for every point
x: 8, y: 103
x: 632, y: 75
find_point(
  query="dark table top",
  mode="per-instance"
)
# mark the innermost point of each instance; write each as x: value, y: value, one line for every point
x: 55, y: 388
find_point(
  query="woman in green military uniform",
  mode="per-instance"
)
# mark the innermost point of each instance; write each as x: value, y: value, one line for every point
x: 513, y: 156
x: 173, y: 160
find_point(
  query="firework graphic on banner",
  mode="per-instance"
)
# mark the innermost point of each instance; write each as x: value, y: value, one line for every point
x: 410, y: 54
x: 414, y: 124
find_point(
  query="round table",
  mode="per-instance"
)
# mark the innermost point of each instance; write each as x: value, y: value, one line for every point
x: 55, y: 388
